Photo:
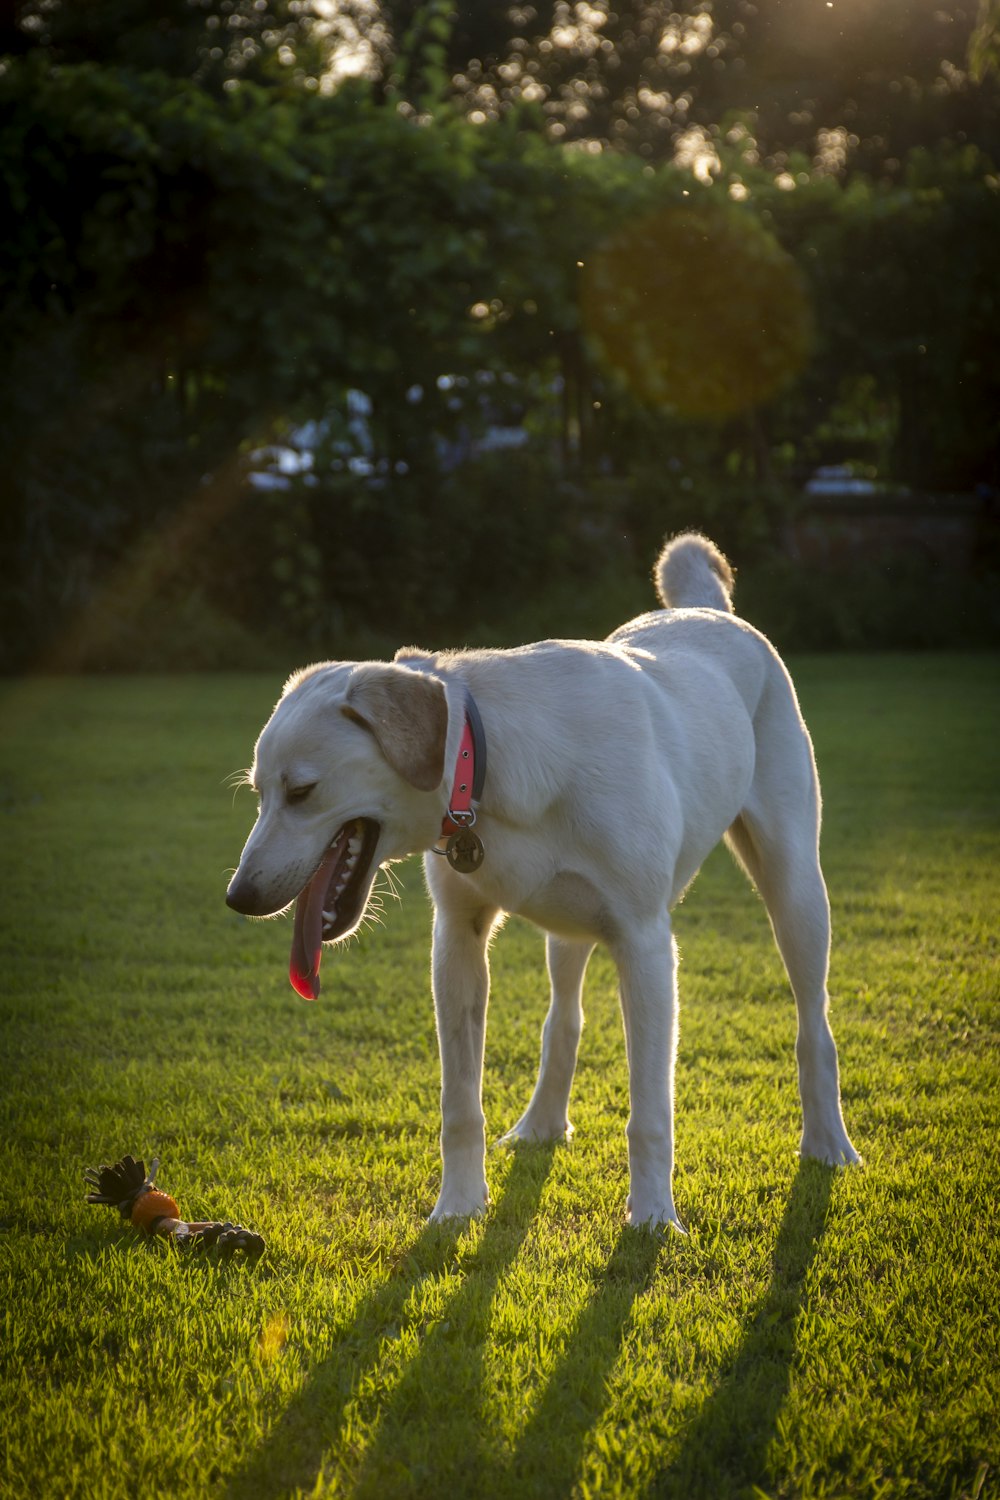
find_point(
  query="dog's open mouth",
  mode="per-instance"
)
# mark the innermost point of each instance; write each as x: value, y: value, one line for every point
x: 331, y: 904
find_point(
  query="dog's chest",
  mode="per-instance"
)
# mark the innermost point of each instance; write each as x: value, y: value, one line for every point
x: 569, y: 905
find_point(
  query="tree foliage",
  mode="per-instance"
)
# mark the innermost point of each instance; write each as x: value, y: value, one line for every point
x: 216, y: 235
x: 863, y: 84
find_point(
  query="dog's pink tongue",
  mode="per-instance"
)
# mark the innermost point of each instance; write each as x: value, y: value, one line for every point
x: 307, y: 941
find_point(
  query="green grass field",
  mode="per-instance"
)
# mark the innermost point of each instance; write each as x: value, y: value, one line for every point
x: 817, y: 1334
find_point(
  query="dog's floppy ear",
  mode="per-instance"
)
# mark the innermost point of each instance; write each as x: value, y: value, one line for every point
x: 407, y: 713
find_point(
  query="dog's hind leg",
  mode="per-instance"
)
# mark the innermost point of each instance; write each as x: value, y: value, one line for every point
x: 776, y: 841
x: 647, y: 969
x: 547, y: 1115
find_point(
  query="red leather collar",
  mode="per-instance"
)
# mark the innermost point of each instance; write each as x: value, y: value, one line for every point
x: 470, y: 773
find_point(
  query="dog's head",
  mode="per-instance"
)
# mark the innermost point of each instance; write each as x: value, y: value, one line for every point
x: 346, y: 769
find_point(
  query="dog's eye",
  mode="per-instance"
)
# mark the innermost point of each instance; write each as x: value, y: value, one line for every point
x: 299, y: 793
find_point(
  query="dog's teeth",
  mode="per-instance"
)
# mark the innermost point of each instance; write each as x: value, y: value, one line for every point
x: 354, y: 847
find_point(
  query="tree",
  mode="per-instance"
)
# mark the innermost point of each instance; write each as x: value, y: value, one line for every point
x: 909, y: 283
x: 191, y: 272
x: 846, y: 88
x: 212, y: 42
x: 212, y: 244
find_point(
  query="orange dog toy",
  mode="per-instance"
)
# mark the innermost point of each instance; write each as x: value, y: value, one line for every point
x: 127, y: 1187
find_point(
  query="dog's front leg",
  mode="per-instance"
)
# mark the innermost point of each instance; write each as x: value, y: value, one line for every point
x: 461, y: 980
x: 647, y: 967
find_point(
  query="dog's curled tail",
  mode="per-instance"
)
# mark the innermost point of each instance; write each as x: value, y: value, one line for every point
x: 691, y: 573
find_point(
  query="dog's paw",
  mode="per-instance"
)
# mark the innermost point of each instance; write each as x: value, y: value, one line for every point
x: 535, y: 1129
x: 653, y: 1216
x: 458, y: 1205
x: 835, y: 1150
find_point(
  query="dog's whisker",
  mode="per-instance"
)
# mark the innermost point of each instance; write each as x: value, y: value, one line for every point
x: 236, y: 779
x: 372, y: 918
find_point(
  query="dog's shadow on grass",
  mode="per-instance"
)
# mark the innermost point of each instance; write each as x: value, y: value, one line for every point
x: 547, y: 1455
x: 724, y: 1449
x: 427, y: 1411
x: 431, y: 1433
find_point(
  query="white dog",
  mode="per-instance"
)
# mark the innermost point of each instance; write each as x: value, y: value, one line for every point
x: 613, y: 769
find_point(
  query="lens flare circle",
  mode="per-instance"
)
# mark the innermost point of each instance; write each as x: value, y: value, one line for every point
x: 697, y: 309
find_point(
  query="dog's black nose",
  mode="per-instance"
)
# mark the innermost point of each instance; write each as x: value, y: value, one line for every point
x: 239, y: 896
x: 245, y: 896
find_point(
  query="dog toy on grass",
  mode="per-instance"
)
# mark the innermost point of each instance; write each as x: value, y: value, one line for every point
x: 127, y: 1187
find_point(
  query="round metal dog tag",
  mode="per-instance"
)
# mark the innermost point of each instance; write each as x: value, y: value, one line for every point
x: 464, y: 851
